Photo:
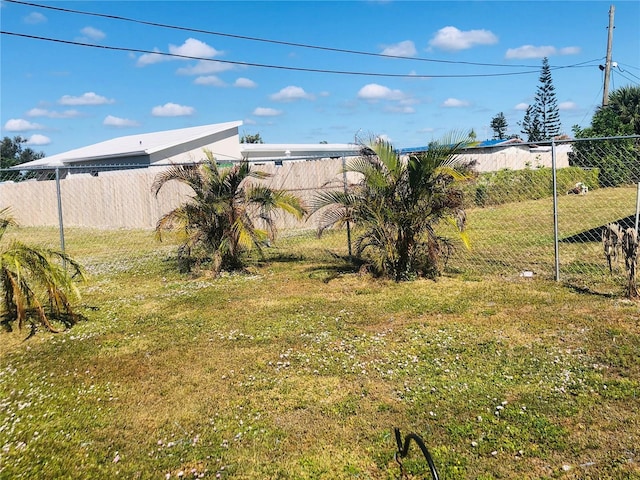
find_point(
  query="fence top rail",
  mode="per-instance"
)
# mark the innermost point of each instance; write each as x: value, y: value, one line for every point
x: 122, y: 166
x: 258, y: 161
x: 576, y: 140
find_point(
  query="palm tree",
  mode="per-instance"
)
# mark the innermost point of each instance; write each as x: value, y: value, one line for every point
x: 37, y: 283
x: 219, y: 220
x: 625, y: 102
x: 398, y: 204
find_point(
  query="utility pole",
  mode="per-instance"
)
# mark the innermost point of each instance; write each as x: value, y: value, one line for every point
x: 607, y: 65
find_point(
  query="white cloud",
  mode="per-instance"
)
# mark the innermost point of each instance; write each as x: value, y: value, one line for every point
x: 41, y: 112
x: 209, y: 80
x: 38, y: 112
x: 150, y: 58
x: 249, y: 121
x: 455, y: 103
x: 194, y: 48
x: 568, y: 106
x: 172, y: 110
x: 112, y: 121
x: 190, y: 48
x: 402, y: 49
x: 290, y: 94
x: 569, y: 50
x: 38, y: 139
x: 204, y: 67
x: 450, y: 38
x: 89, y: 98
x: 531, y: 51
x: 266, y: 112
x: 373, y: 92
x: 93, y: 33
x: 34, y: 18
x: 399, y: 108
x: 522, y: 106
x: 244, y: 83
x: 20, y: 125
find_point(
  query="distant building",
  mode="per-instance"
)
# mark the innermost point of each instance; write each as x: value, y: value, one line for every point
x: 185, y: 145
x: 512, y: 154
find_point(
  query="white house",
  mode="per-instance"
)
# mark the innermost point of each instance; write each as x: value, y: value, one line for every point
x: 184, y: 145
x: 276, y: 152
x: 158, y: 148
x: 512, y: 154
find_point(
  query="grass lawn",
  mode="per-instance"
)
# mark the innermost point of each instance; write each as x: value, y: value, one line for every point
x: 301, y: 368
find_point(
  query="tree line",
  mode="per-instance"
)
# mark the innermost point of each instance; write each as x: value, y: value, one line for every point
x: 542, y: 118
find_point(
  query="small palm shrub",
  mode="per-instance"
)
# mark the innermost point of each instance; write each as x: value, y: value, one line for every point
x: 397, y: 206
x: 37, y: 284
x: 226, y: 217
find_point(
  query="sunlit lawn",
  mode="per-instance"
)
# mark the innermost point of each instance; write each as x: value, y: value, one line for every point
x: 300, y: 368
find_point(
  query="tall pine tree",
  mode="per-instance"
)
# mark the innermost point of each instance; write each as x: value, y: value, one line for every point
x: 499, y: 126
x: 542, y: 119
x: 532, y: 125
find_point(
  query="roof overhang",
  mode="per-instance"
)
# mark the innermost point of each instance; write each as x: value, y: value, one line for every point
x: 292, y: 151
x: 131, y: 146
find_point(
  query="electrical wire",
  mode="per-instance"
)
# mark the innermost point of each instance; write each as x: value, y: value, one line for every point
x: 635, y: 82
x: 277, y: 42
x: 629, y: 66
x: 628, y: 73
x: 251, y: 64
x: 279, y: 67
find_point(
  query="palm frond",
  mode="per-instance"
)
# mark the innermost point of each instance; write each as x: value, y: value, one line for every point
x: 329, y: 197
x: 333, y: 217
x: 269, y: 200
x: 6, y: 220
x: 373, y: 175
x: 189, y: 175
x: 30, y: 272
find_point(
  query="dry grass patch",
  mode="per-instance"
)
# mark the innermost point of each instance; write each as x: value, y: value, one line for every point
x: 301, y: 368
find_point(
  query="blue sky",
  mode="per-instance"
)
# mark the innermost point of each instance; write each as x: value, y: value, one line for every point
x: 63, y: 96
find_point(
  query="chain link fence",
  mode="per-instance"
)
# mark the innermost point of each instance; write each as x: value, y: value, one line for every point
x: 519, y: 227
x: 532, y: 210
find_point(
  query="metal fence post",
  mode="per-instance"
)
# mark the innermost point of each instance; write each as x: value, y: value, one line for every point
x: 637, y: 206
x: 60, y: 223
x: 344, y: 180
x: 555, y: 211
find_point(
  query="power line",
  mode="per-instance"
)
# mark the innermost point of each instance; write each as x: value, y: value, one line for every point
x: 263, y: 65
x: 277, y: 42
x: 629, y: 66
x: 627, y: 78
x: 627, y: 72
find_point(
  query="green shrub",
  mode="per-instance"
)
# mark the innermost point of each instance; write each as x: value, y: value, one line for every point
x: 506, y: 186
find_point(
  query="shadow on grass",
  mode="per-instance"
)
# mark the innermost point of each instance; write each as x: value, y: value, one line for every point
x: 280, y: 257
x: 59, y: 321
x: 585, y: 290
x: 595, y: 234
x: 336, y: 266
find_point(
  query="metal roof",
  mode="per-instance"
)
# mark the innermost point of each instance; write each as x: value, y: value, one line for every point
x: 265, y: 151
x: 133, y: 145
x: 484, y: 143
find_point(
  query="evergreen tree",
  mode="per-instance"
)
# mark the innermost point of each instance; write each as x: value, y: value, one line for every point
x: 499, y: 126
x: 248, y: 138
x: 542, y: 119
x: 14, y: 153
x: 532, y: 125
